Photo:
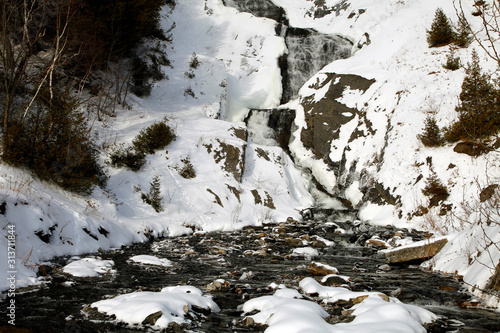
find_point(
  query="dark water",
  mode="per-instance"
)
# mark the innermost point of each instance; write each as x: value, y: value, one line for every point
x: 62, y: 304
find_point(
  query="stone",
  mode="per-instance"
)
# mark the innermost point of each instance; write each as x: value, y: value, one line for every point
x: 317, y: 136
x: 321, y: 269
x: 469, y: 304
x: 218, y: 285
x: 385, y: 268
x: 294, y: 242
x: 218, y: 250
x: 396, y: 292
x: 152, y: 318
x: 488, y: 192
x: 469, y: 148
x: 418, y: 251
x: 377, y: 243
x: 175, y: 327
x: 319, y: 244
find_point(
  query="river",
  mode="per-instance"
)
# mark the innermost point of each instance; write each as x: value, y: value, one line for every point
x: 249, y: 260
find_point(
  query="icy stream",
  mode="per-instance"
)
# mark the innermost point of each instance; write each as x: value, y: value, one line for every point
x: 248, y: 262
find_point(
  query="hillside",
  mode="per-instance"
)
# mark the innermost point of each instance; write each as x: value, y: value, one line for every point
x: 353, y: 146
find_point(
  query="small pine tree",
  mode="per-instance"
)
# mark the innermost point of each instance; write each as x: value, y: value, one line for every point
x: 153, y: 197
x: 463, y: 36
x: 441, y: 32
x: 431, y: 137
x: 435, y: 190
x: 479, y: 112
x: 452, y: 62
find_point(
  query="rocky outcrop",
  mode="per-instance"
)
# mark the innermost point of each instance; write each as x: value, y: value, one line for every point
x: 230, y: 155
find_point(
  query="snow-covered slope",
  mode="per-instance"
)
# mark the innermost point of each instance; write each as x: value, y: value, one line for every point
x: 237, y: 182
x: 375, y: 159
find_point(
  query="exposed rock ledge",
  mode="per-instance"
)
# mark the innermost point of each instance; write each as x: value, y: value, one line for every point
x: 418, y: 251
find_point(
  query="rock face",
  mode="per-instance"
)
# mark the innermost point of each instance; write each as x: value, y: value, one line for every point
x: 426, y: 250
x: 324, y: 118
x: 260, y: 8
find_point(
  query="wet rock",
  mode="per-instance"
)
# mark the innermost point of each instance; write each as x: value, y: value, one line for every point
x: 243, y: 272
x: 396, y: 292
x: 13, y: 329
x: 218, y: 285
x: 472, y: 330
x: 295, y: 242
x: 176, y: 328
x: 470, y: 304
x: 248, y: 321
x: 318, y: 243
x: 384, y: 268
x: 218, y: 250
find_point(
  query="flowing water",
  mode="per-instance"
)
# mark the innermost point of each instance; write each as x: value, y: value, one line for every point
x: 308, y: 52
x: 249, y: 260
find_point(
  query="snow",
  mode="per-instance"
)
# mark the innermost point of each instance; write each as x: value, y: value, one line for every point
x: 133, y: 308
x: 89, y: 267
x: 307, y: 252
x: 151, y: 260
x: 287, y: 311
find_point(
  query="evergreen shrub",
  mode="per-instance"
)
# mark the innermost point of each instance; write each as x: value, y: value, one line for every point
x: 435, y: 190
x: 431, y: 137
x: 128, y: 157
x: 157, y: 136
x: 452, y: 62
x: 153, y: 197
x: 187, y: 171
x: 441, y: 32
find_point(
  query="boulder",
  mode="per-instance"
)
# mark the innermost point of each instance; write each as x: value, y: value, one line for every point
x: 418, y: 251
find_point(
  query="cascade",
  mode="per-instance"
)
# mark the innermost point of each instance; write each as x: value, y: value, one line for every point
x: 308, y: 50
x: 271, y: 127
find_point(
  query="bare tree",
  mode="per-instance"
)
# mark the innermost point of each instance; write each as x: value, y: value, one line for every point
x: 25, y: 69
x: 487, y: 35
